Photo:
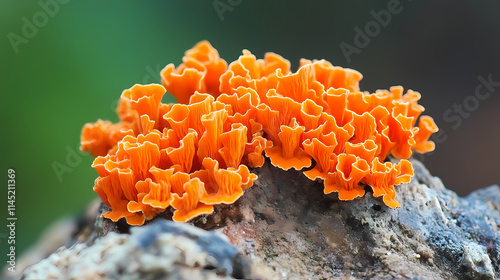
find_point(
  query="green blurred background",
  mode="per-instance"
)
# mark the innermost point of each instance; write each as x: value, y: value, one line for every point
x: 84, y: 54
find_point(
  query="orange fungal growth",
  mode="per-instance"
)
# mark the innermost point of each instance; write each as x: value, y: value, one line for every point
x: 145, y: 100
x: 257, y: 74
x: 255, y: 149
x: 322, y: 153
x: 233, y: 145
x: 188, y: 205
x: 210, y: 143
x: 289, y: 154
x: 426, y: 127
x: 200, y: 71
x: 183, y: 156
x: 334, y: 77
x: 159, y: 195
x: 222, y: 185
x: 345, y: 180
x: 98, y: 138
x: 192, y: 156
x: 383, y: 177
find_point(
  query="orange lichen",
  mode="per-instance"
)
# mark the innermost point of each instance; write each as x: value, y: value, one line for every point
x: 321, y: 150
x: 196, y: 154
x: 288, y: 154
x: 200, y: 71
x: 188, y: 205
x: 346, y: 179
x: 426, y: 127
x: 222, y: 185
x: 257, y: 74
x: 383, y: 177
x: 98, y: 138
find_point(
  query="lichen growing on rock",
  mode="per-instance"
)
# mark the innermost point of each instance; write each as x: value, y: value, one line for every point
x: 282, y: 234
x: 196, y: 154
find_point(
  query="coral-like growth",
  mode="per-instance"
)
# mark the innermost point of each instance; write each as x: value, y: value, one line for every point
x: 196, y: 154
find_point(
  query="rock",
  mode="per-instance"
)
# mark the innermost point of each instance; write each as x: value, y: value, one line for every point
x: 65, y: 231
x: 304, y: 234
x: 162, y: 250
x: 284, y: 227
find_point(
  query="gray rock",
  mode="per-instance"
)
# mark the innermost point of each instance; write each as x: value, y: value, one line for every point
x: 304, y: 234
x: 65, y: 231
x: 213, y: 243
x: 284, y: 227
x: 162, y: 250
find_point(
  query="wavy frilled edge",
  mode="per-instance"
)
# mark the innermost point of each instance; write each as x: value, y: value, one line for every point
x: 196, y: 154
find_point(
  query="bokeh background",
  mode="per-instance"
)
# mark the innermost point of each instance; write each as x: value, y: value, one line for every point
x: 83, y: 54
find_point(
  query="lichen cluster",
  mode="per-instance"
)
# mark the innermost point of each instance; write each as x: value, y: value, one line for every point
x: 196, y: 154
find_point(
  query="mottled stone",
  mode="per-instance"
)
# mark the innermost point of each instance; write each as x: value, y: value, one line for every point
x: 162, y: 250
x: 302, y: 233
x: 285, y: 227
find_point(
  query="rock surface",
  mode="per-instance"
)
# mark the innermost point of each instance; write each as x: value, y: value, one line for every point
x: 288, y: 229
x: 162, y: 250
x: 304, y: 234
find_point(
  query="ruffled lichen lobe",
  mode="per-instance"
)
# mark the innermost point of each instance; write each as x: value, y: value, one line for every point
x: 199, y: 153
